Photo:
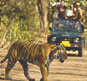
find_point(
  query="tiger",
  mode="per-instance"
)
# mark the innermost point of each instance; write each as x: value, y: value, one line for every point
x: 41, y: 55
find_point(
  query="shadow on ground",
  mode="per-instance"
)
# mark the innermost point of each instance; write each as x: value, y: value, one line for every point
x: 8, y: 79
x: 73, y: 55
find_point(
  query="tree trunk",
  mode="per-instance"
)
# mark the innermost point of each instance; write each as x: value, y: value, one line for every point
x: 43, y: 13
x: 3, y: 39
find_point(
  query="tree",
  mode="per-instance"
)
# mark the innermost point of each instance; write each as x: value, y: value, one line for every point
x: 18, y: 19
x: 43, y: 13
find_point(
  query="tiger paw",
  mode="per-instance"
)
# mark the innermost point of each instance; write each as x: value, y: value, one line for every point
x: 32, y: 80
x: 9, y: 78
x: 41, y: 79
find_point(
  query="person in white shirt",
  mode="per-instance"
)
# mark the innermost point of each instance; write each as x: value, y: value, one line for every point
x: 70, y: 13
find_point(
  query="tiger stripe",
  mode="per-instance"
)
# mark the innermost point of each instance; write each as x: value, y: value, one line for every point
x: 39, y: 54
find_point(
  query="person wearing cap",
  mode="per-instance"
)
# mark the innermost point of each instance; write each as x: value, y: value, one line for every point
x: 78, y: 15
x: 78, y: 12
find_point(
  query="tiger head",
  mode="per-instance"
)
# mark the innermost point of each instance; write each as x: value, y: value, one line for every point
x: 60, y: 53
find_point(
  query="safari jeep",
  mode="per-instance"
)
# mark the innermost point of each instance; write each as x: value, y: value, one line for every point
x: 68, y: 33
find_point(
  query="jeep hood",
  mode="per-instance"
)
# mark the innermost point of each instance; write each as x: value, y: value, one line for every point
x: 66, y: 34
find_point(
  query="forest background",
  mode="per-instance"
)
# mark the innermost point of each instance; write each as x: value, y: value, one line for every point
x: 29, y: 20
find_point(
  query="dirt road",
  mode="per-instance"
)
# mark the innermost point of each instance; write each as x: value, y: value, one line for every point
x: 73, y: 69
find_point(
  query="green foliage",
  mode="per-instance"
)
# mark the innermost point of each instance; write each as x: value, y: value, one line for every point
x: 20, y: 18
x: 15, y: 33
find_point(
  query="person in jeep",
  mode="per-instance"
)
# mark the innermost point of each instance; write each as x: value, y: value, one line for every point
x: 69, y: 33
x: 62, y: 10
x: 78, y: 12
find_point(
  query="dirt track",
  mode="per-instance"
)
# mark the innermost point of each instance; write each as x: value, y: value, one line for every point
x: 73, y: 69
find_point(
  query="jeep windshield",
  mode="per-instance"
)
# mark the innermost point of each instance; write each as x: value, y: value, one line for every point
x: 68, y: 25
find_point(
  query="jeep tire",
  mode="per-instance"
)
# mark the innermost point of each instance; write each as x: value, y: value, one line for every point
x: 80, y: 51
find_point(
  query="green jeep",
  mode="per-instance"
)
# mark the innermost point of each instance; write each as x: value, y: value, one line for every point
x: 68, y: 33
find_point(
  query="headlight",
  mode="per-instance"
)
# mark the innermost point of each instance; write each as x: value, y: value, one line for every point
x: 53, y: 38
x: 76, y: 40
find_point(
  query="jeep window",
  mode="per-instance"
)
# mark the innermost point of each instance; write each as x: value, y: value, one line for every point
x: 66, y: 25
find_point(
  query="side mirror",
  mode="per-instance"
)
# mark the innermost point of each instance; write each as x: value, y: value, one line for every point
x: 50, y: 28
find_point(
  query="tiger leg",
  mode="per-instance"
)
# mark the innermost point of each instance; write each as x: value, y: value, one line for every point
x: 43, y: 72
x: 8, y: 69
x: 47, y: 68
x: 25, y: 68
x: 47, y: 71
